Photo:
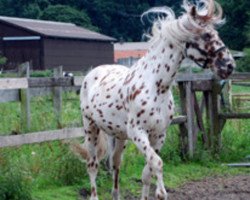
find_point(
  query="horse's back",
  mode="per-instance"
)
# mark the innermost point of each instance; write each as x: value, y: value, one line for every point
x: 99, y: 79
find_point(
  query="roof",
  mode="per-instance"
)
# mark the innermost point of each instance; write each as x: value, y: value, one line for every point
x: 55, y: 29
x: 131, y: 46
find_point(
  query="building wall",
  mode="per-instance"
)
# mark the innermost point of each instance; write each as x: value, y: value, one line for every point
x: 18, y: 52
x: 124, y: 54
x: 76, y: 55
x: 46, y: 53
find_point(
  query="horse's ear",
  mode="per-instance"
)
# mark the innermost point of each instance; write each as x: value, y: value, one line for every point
x: 193, y: 12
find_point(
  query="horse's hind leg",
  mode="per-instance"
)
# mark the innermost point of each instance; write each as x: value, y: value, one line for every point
x: 95, y: 145
x: 116, y: 161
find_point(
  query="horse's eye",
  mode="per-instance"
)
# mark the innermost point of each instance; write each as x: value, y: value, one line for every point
x: 207, y: 37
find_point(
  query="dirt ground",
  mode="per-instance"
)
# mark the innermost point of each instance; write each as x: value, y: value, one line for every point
x: 213, y: 188
x: 216, y: 188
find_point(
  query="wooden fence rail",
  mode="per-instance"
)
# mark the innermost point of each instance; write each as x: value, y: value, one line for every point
x: 38, y: 137
x: 190, y: 121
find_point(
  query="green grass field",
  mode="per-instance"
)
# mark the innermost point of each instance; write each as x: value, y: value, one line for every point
x: 49, y: 171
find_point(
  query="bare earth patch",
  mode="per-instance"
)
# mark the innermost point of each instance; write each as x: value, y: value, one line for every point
x: 216, y: 188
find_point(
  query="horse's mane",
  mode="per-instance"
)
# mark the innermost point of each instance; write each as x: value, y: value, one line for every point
x: 209, y: 15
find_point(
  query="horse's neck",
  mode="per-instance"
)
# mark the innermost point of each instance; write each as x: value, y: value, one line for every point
x: 160, y: 63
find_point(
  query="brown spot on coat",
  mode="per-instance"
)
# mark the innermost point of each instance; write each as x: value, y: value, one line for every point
x: 135, y: 94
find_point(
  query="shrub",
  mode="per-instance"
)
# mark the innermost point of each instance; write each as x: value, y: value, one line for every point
x: 3, y: 60
x: 70, y: 169
x: 13, y: 186
x: 46, y: 73
x: 243, y: 65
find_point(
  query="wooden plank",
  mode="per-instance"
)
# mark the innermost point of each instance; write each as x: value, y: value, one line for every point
x: 38, y: 137
x: 202, y: 85
x: 199, y: 119
x: 234, y: 115
x: 183, y: 127
x: 210, y: 122
x: 50, y: 82
x: 57, y: 97
x: 242, y: 84
x: 216, y: 129
x: 240, y: 76
x: 9, y: 96
x: 25, y: 100
x: 230, y: 99
x: 190, y: 118
x: 242, y: 98
x: 241, y: 95
x: 13, y: 83
x: 247, y: 164
x: 179, y: 120
x: 183, y: 77
x: 14, y: 95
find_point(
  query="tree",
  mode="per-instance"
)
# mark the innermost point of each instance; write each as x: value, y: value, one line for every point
x: 64, y: 13
x: 31, y: 11
x: 232, y: 32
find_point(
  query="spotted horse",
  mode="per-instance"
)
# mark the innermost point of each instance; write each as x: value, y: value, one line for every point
x: 136, y: 103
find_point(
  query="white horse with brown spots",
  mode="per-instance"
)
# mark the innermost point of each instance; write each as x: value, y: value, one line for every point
x: 137, y: 104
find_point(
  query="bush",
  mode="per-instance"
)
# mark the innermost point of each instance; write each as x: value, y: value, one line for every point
x: 70, y: 169
x: 3, y: 60
x: 46, y: 73
x: 243, y: 65
x: 13, y: 186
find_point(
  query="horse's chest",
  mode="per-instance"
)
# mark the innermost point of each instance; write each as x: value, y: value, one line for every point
x: 155, y: 113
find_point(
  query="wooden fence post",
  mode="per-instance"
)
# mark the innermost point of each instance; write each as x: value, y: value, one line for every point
x: 183, y: 126
x: 216, y: 122
x: 190, y: 118
x: 230, y: 96
x: 24, y: 70
x: 57, y: 97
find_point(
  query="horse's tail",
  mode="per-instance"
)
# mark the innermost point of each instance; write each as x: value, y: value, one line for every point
x: 83, y: 151
x: 80, y: 150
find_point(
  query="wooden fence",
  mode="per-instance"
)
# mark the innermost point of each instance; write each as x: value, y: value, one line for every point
x: 190, y: 121
x: 212, y: 105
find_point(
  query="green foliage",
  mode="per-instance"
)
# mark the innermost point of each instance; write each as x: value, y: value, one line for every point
x: 45, y: 73
x: 171, y: 150
x: 51, y: 165
x: 233, y: 32
x: 64, y: 13
x: 243, y: 65
x: 3, y: 60
x: 121, y: 19
x: 14, y: 185
x: 70, y: 170
x: 32, y: 11
x: 235, y: 141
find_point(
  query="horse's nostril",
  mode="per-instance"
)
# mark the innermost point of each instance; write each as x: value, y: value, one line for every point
x: 230, y: 68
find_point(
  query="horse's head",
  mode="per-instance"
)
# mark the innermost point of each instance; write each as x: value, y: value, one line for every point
x: 205, y: 47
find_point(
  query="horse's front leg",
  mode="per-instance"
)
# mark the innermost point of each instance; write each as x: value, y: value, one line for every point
x: 154, y: 162
x: 147, y: 171
x: 146, y: 181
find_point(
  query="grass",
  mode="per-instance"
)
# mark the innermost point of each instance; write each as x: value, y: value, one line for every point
x: 42, y: 114
x: 53, y: 172
x: 62, y: 193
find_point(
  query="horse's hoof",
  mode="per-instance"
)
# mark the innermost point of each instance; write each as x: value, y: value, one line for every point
x: 161, y: 195
x: 93, y: 198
